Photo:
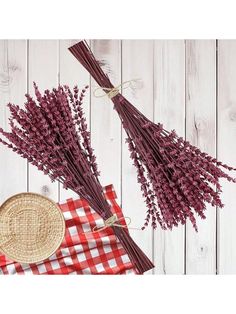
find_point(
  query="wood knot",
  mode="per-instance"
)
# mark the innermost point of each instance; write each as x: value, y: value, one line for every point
x: 199, y: 124
x: 7, y: 75
x: 5, y: 80
x: 45, y: 190
x: 203, y: 250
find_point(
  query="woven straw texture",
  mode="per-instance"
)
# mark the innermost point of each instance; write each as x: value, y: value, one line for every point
x: 32, y: 228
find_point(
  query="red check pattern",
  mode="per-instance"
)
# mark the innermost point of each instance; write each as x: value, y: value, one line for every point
x: 82, y: 251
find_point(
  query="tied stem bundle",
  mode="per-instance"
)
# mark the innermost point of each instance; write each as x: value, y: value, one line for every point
x: 51, y: 133
x: 176, y: 178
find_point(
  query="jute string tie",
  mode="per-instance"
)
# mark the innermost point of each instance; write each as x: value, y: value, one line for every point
x: 113, y: 91
x: 114, y: 221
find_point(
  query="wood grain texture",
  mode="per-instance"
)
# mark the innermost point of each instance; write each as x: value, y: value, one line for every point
x: 72, y: 73
x: 105, y: 123
x: 169, y: 89
x: 227, y: 153
x: 137, y: 63
x: 43, y: 69
x: 13, y: 85
x: 201, y: 132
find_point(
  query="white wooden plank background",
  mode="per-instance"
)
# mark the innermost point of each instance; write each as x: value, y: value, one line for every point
x: 13, y: 85
x: 201, y: 131
x: 169, y: 101
x: 188, y: 85
x: 227, y: 151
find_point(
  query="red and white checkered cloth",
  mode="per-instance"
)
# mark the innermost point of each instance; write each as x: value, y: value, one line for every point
x: 82, y: 251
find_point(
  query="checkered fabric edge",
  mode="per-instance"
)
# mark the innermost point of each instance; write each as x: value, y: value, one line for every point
x: 82, y: 251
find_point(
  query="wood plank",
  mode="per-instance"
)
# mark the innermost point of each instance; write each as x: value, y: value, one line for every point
x: 105, y: 123
x: 169, y: 100
x: 137, y: 62
x: 226, y: 153
x: 201, y: 132
x: 43, y: 69
x: 13, y: 86
x: 72, y: 73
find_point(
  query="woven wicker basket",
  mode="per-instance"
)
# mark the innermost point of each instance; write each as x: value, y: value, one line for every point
x: 32, y: 228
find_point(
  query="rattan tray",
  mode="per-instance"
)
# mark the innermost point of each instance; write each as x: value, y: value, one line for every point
x: 32, y: 228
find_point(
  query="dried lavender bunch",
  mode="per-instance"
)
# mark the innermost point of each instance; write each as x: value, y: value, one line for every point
x: 176, y: 178
x: 51, y: 133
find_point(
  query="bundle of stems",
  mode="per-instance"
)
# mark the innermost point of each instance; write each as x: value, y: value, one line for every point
x: 176, y: 178
x: 52, y: 134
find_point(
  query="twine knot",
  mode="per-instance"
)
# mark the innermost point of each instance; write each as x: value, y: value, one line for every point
x: 113, y: 91
x: 113, y: 221
x: 110, y: 221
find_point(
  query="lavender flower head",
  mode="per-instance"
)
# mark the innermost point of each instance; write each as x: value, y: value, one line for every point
x: 52, y: 135
x: 176, y: 178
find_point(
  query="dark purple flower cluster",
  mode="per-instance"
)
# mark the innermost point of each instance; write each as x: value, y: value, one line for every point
x: 53, y: 138
x: 52, y: 134
x: 176, y: 178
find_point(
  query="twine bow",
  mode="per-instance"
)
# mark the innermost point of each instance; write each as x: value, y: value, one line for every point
x: 113, y: 221
x: 113, y: 91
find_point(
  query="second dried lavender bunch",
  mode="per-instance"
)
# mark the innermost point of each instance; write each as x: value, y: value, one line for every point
x: 176, y: 178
